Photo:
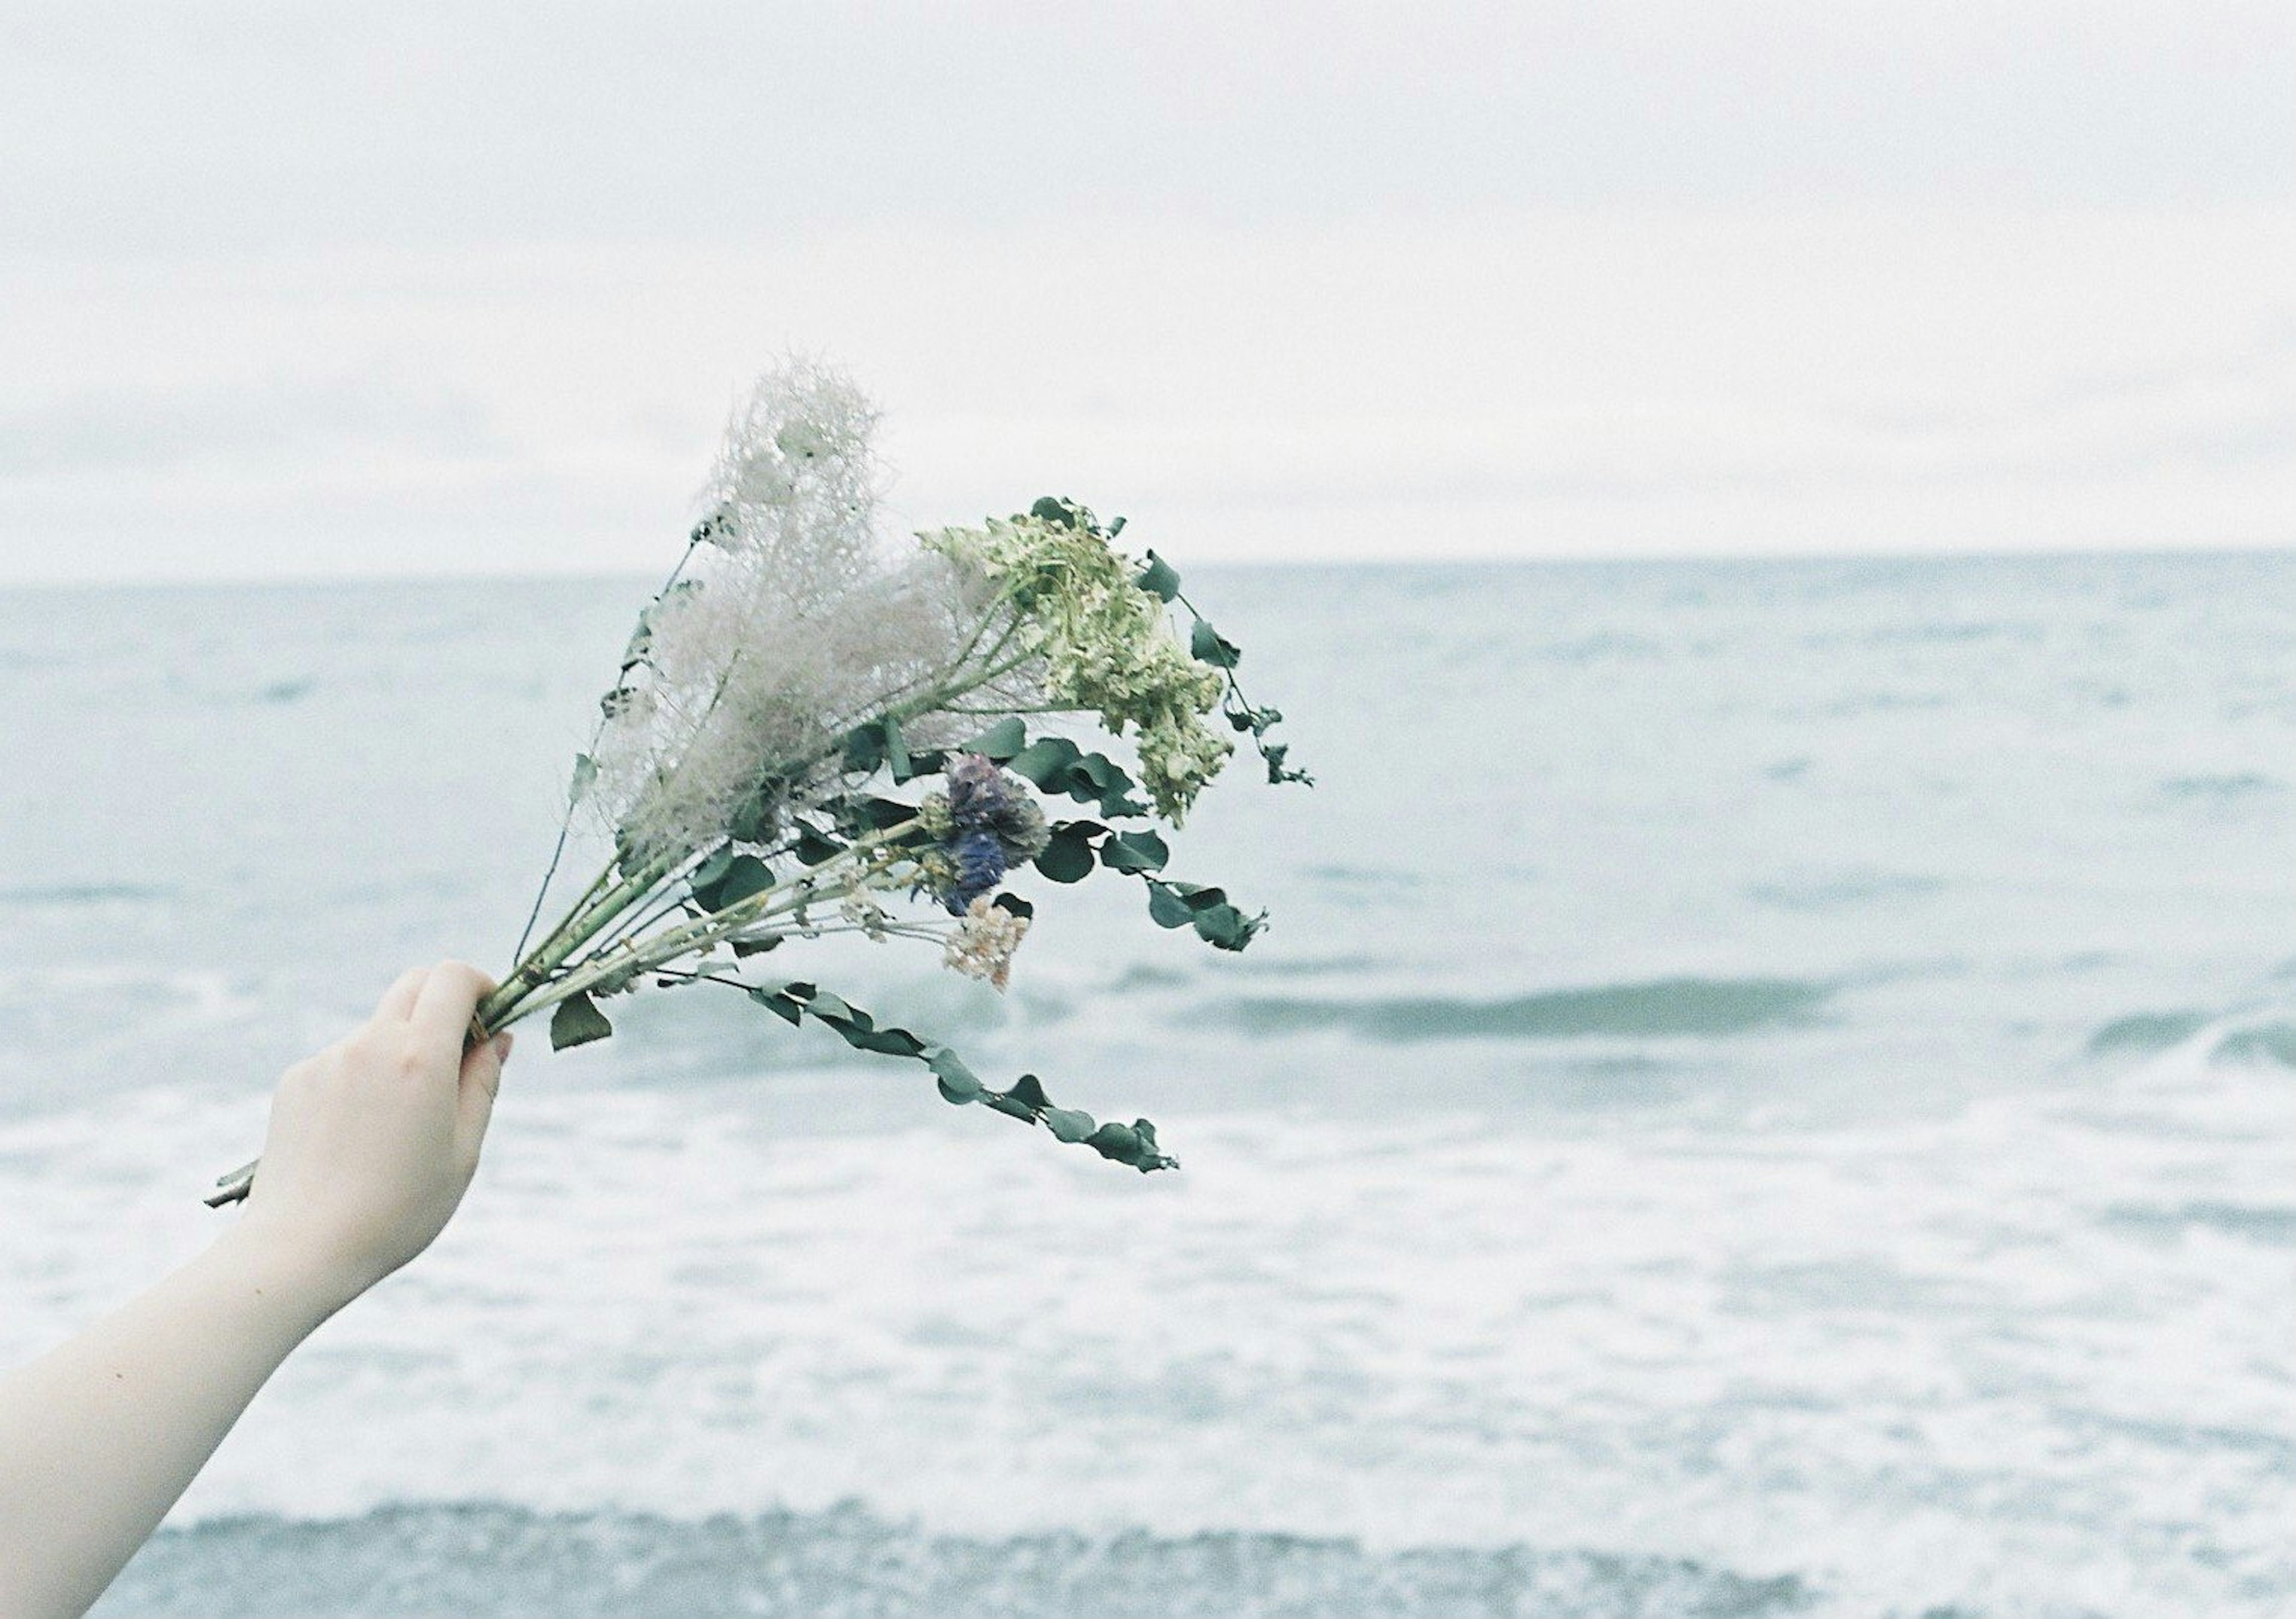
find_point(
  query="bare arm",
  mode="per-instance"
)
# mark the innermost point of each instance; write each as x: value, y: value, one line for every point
x: 372, y: 1144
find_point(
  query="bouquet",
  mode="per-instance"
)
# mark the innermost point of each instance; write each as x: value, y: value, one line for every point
x: 811, y: 733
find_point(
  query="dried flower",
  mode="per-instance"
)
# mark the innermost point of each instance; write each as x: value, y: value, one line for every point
x: 983, y: 943
x: 866, y: 914
x: 985, y: 823
x: 934, y: 817
x: 983, y: 798
x: 980, y: 865
x: 1106, y: 645
x: 794, y: 622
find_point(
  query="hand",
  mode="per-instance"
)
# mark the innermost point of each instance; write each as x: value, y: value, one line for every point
x: 373, y: 1141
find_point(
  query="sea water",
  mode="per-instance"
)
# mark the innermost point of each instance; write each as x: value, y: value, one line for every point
x: 1769, y: 1089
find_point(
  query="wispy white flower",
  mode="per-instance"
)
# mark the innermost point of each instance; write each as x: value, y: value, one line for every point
x: 795, y: 621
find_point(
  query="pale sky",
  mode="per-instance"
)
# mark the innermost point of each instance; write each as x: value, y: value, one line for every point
x: 299, y: 289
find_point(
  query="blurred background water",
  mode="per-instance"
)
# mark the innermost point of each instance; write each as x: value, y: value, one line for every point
x: 1768, y: 1091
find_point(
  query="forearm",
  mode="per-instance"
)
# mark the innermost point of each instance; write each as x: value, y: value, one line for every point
x: 100, y: 1436
x: 373, y: 1143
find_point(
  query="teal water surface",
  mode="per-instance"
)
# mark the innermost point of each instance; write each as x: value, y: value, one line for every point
x: 1768, y: 1091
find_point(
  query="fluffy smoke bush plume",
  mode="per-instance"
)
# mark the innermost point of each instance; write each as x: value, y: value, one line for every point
x: 793, y: 621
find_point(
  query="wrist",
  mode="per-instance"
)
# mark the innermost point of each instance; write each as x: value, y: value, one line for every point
x: 276, y: 1269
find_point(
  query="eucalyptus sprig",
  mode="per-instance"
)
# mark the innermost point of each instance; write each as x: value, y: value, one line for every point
x: 810, y: 733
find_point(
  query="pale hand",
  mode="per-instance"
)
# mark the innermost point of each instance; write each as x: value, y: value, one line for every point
x: 373, y: 1141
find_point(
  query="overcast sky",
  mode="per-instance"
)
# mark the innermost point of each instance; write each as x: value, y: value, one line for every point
x: 303, y: 289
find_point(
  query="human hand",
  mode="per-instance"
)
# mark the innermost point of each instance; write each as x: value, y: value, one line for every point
x: 373, y: 1141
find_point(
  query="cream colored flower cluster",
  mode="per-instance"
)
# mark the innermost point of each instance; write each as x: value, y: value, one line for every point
x: 1106, y: 644
x: 984, y: 941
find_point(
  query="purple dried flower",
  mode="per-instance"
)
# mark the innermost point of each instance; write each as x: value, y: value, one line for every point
x: 979, y: 861
x: 978, y: 791
x: 982, y: 798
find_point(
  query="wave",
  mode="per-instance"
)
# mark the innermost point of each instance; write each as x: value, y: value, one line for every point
x: 1842, y: 890
x: 1663, y: 1007
x: 2256, y: 1223
x: 2255, y: 1037
x: 2237, y: 784
x: 83, y: 893
x: 2147, y: 1032
x: 484, y: 1559
x: 2259, y: 1044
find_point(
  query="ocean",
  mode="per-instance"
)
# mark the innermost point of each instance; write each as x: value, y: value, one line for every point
x: 1769, y: 1089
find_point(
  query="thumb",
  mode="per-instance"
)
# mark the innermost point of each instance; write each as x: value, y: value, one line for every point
x: 481, y: 1078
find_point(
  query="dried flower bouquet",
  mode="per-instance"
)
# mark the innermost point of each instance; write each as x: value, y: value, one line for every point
x: 811, y: 733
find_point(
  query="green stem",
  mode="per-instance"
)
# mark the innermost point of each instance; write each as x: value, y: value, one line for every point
x: 637, y: 956
x: 532, y: 987
x: 504, y: 1007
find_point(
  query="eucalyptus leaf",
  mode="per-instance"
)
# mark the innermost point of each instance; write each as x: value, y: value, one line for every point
x: 1067, y: 856
x: 1210, y: 646
x: 1166, y: 908
x: 1140, y: 851
x: 779, y: 1003
x: 1007, y: 737
x: 1056, y: 764
x: 865, y: 747
x: 1026, y: 1100
x: 577, y: 1021
x: 1115, y: 1141
x: 1216, y: 920
x: 1158, y: 578
x: 743, y: 877
x: 1225, y: 928
x: 756, y: 817
x: 1043, y: 761
x: 862, y: 1036
x: 958, y: 1082
x: 877, y: 815
x: 815, y: 845
x: 821, y: 1004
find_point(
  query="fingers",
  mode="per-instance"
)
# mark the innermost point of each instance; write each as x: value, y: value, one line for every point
x: 448, y: 997
x: 482, y: 1067
x: 397, y: 1002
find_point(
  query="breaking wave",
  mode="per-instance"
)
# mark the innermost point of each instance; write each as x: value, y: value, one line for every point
x: 1663, y: 1007
x: 483, y: 1559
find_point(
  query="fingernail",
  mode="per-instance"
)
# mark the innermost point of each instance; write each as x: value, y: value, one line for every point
x: 501, y: 1046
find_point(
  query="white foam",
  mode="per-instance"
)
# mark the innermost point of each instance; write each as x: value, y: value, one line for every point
x: 1934, y: 1363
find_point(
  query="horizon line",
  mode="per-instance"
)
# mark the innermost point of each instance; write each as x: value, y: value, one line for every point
x: 2095, y: 553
